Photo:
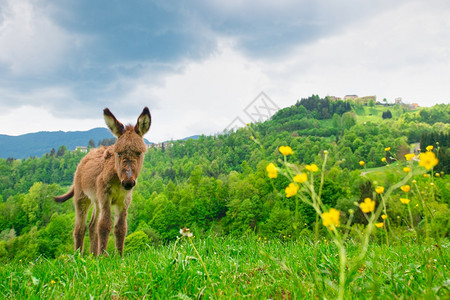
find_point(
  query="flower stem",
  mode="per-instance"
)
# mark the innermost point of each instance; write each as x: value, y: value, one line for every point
x: 422, y: 202
x: 411, y: 219
x: 342, y: 268
x: 389, y: 223
x: 203, y: 264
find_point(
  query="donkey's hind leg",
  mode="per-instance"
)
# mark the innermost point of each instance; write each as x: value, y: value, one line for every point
x: 82, y: 205
x: 93, y: 236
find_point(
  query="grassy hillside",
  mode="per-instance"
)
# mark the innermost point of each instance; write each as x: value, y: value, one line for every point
x: 374, y: 113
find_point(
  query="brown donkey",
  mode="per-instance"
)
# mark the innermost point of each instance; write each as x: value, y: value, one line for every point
x: 106, y: 176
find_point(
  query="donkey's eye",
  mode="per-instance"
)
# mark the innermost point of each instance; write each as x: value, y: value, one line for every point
x: 137, y: 153
x: 119, y: 154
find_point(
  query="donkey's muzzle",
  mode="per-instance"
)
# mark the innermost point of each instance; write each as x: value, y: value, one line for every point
x: 128, y: 184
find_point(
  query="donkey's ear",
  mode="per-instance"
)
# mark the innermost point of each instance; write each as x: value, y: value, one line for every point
x: 115, y: 126
x: 143, y: 123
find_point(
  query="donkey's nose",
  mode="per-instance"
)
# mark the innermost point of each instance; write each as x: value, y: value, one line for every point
x: 128, y: 184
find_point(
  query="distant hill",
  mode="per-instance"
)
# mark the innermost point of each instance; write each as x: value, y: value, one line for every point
x: 39, y: 143
x: 194, y: 137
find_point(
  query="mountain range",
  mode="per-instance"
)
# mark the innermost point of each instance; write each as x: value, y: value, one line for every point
x: 39, y: 143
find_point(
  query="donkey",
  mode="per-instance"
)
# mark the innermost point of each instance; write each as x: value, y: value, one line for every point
x: 106, y: 177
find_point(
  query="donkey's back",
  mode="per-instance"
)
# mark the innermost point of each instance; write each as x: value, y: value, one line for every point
x: 95, y: 169
x: 91, y: 167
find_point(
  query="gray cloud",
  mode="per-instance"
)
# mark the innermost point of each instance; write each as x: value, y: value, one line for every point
x: 82, y: 56
x: 274, y: 28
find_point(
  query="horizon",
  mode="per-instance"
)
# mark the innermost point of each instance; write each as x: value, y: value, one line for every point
x: 198, y: 67
x: 74, y: 131
x: 181, y: 138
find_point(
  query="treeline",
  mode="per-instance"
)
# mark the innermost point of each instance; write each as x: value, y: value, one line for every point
x: 17, y: 176
x: 103, y: 142
x: 439, y: 113
x: 219, y: 183
x: 324, y: 108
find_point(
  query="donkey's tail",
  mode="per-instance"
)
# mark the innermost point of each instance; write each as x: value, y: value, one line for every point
x: 65, y: 197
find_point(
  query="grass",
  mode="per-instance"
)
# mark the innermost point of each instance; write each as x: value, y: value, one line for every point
x: 374, y: 113
x: 238, y: 267
x: 384, y: 175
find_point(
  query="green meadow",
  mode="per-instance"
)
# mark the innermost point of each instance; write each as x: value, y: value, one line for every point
x: 244, y: 267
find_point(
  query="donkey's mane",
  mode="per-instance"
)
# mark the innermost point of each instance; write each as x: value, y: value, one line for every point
x: 129, y: 127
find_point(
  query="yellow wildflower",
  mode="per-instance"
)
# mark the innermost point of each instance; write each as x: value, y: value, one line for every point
x: 367, y: 206
x: 387, y: 149
x: 52, y: 281
x: 405, y: 188
x: 331, y: 219
x: 428, y: 160
x: 429, y: 148
x: 383, y: 159
x: 404, y: 200
x: 300, y: 178
x: 437, y: 174
x: 379, y: 190
x: 325, y: 152
x: 361, y: 163
x: 272, y: 170
x: 285, y: 150
x: 379, y: 225
x: 406, y: 169
x: 409, y: 156
x: 384, y: 217
x: 312, y: 168
x: 291, y: 190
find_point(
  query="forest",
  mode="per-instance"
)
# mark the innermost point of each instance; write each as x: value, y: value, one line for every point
x: 219, y: 185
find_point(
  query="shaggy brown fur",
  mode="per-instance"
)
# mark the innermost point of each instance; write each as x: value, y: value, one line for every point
x: 106, y: 177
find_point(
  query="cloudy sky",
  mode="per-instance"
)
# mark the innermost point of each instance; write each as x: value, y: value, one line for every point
x: 199, y: 64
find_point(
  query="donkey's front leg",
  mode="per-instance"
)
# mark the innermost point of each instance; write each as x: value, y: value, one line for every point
x: 120, y: 227
x: 104, y: 224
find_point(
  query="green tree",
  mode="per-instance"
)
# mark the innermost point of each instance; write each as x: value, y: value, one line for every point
x: 91, y: 143
x: 137, y: 241
x: 280, y: 222
x: 56, y: 238
x: 244, y: 215
x: 348, y: 120
x: 61, y: 151
x: 166, y: 220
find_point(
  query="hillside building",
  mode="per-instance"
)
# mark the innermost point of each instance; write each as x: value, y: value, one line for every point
x: 81, y: 149
x: 350, y: 97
